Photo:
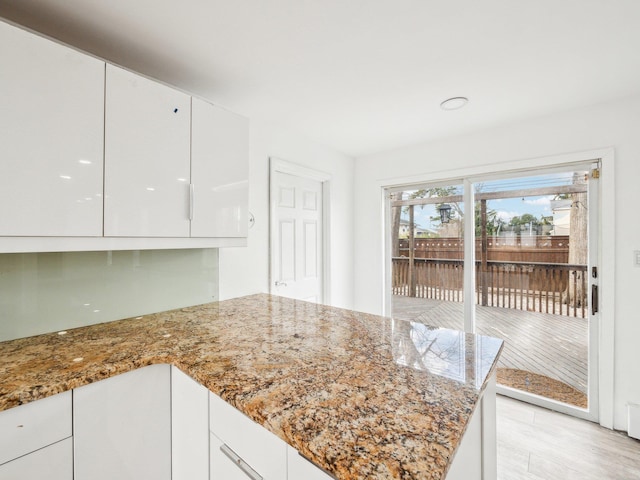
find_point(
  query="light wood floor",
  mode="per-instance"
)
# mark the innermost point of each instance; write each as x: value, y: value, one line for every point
x: 538, y: 444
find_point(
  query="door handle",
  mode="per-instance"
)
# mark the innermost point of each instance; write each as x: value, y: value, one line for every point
x: 594, y: 299
x: 280, y: 284
x: 191, y: 195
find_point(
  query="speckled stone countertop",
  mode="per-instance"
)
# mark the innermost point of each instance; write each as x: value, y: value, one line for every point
x: 362, y: 396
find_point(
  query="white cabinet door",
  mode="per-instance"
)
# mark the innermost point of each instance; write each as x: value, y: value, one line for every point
x: 147, y: 171
x: 122, y: 427
x: 300, y: 467
x: 219, y: 171
x: 255, y: 445
x: 54, y: 462
x: 51, y: 137
x: 467, y: 463
x: 189, y: 428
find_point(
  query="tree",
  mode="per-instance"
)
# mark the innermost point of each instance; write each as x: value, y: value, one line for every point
x: 395, y: 225
x: 396, y: 212
x: 575, y: 294
x: 526, y: 220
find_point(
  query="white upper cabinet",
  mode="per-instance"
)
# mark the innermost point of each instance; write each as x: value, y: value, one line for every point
x: 94, y: 157
x: 51, y: 137
x: 219, y: 171
x: 147, y: 157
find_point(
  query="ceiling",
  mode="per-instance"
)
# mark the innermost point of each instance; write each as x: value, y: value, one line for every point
x: 364, y: 75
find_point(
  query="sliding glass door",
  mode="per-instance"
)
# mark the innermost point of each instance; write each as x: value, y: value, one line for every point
x: 427, y: 254
x: 530, y: 274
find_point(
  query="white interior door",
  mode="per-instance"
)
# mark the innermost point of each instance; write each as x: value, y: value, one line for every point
x: 297, y: 236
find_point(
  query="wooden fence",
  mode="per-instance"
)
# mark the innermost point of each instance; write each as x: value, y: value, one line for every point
x: 537, y: 287
x: 517, y: 248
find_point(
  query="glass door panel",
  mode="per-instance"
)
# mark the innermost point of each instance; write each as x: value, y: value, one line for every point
x: 427, y: 255
x: 532, y: 252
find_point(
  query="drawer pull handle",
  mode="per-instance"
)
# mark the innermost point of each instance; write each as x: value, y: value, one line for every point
x: 244, y: 466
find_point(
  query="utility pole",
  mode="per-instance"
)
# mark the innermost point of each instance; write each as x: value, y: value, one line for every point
x: 483, y: 251
x: 412, y: 269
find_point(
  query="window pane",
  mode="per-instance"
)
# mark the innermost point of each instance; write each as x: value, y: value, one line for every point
x: 428, y: 255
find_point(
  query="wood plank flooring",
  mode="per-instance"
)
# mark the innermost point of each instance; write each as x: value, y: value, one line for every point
x: 538, y: 444
x: 550, y: 345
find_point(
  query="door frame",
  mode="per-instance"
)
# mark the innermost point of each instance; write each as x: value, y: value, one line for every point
x: 605, y: 250
x: 278, y: 165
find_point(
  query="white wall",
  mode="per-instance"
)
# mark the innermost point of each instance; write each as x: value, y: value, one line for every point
x: 245, y: 271
x: 614, y: 124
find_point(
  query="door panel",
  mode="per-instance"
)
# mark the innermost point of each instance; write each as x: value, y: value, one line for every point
x: 532, y: 283
x: 531, y: 249
x: 287, y: 251
x: 297, y: 237
x: 310, y: 249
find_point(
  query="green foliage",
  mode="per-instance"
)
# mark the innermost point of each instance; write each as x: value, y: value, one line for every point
x: 527, y: 221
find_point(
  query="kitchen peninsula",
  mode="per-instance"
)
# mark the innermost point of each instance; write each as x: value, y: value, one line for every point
x: 360, y: 396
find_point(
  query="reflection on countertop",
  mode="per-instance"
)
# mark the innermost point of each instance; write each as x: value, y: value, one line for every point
x: 361, y: 395
x: 459, y: 356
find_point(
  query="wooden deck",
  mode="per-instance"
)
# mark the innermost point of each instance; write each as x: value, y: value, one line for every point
x: 551, y: 345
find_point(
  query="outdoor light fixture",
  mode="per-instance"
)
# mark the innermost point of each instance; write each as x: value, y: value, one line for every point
x: 445, y: 213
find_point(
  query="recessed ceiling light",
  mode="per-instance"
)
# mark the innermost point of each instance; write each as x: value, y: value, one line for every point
x: 454, y: 103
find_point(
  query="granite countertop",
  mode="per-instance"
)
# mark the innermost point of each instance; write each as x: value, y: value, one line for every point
x: 362, y: 396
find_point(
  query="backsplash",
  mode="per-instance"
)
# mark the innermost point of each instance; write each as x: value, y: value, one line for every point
x: 47, y: 292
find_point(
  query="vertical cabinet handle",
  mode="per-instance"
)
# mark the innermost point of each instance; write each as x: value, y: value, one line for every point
x: 242, y: 465
x: 191, y: 193
x: 594, y: 299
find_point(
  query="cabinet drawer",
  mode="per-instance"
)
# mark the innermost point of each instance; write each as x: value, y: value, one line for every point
x: 300, y: 467
x: 54, y: 462
x: 259, y: 448
x: 226, y: 467
x: 35, y: 425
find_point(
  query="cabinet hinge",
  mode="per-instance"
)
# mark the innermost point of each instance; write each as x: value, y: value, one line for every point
x: 595, y: 173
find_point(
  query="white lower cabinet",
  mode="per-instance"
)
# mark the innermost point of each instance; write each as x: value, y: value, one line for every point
x: 228, y: 465
x: 189, y: 428
x: 234, y: 434
x: 299, y: 468
x: 157, y: 423
x: 54, y: 462
x: 34, y: 425
x: 476, y: 456
x: 35, y: 440
x: 122, y: 427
